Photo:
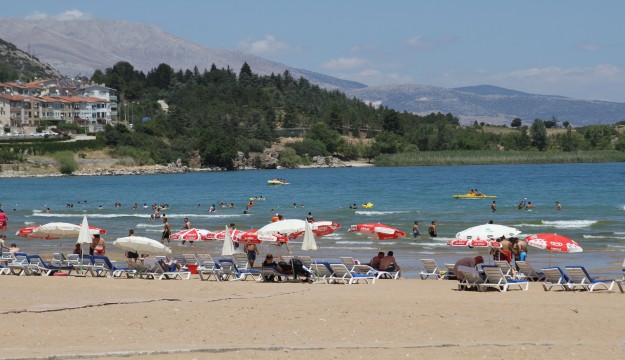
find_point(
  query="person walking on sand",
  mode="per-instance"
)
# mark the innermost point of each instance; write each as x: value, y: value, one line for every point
x: 251, y: 250
x: 432, y: 230
x: 3, y: 220
x: 415, y: 230
x: 166, y: 232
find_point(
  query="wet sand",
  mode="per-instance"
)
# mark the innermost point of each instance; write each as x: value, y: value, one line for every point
x: 71, y: 317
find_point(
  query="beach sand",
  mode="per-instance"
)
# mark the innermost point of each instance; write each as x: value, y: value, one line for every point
x: 71, y: 317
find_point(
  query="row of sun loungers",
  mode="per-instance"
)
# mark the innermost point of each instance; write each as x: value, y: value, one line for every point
x: 502, y: 276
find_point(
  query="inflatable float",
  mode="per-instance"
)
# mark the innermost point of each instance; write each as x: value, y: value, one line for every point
x: 367, y: 206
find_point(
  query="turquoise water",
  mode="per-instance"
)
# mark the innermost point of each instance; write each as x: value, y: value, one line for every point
x: 593, y: 206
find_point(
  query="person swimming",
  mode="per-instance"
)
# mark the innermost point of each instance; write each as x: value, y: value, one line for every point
x: 521, y: 204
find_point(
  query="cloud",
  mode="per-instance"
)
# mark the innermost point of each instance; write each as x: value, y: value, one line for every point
x: 269, y: 45
x: 73, y: 14
x: 555, y: 73
x: 591, y: 47
x: 344, y: 63
x: 424, y: 43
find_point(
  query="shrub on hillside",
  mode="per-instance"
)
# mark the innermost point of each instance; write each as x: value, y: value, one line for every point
x: 66, y: 162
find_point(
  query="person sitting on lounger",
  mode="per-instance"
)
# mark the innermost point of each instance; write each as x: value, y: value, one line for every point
x: 172, y: 265
x: 375, y: 262
x: 270, y: 263
x: 388, y: 263
x: 14, y: 248
x: 471, y: 262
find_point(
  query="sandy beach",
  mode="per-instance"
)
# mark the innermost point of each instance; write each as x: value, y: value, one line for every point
x: 75, y: 318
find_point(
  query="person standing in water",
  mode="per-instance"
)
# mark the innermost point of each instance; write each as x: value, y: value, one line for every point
x: 493, y: 206
x: 558, y: 206
x: 415, y: 230
x: 432, y: 230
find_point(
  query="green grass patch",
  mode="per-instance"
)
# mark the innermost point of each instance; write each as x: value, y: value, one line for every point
x: 486, y: 157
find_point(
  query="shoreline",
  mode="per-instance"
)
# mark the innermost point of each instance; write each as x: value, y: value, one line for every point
x: 157, y: 170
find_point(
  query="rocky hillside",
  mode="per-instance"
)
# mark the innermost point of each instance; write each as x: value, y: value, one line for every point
x: 82, y: 46
x: 491, y: 104
x: 16, y: 64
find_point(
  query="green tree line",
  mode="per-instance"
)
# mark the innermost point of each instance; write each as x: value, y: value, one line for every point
x: 216, y: 113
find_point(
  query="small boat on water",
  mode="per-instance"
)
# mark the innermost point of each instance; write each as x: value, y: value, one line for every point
x: 474, y: 196
x: 277, y: 182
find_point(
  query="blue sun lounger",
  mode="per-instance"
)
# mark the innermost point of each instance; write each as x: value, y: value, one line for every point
x: 103, y: 266
x: 579, y: 278
x: 38, y: 266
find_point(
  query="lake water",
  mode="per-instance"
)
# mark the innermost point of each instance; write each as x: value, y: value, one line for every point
x: 592, y: 198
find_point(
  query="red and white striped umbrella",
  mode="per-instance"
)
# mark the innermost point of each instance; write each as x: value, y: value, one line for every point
x: 251, y: 236
x: 554, y: 242
x: 383, y: 232
x: 55, y: 230
x: 193, y: 235
x: 474, y: 243
x: 221, y: 235
x: 324, y: 227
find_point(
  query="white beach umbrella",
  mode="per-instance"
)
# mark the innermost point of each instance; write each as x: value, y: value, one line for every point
x: 488, y: 232
x: 141, y: 245
x: 283, y: 227
x: 84, y: 235
x: 228, y: 247
x: 309, y: 242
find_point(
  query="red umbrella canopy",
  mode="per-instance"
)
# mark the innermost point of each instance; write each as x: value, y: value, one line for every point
x: 554, y: 242
x: 322, y: 228
x: 192, y: 235
x: 474, y: 243
x: 250, y: 236
x: 383, y: 231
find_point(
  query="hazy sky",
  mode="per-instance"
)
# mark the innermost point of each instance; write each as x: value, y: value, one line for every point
x: 562, y: 47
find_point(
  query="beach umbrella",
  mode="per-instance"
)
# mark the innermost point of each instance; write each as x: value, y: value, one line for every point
x: 193, y: 235
x: 84, y: 235
x: 382, y: 231
x: 251, y: 237
x: 488, y: 231
x: 477, y: 243
x: 228, y: 247
x: 309, y: 242
x: 141, y: 245
x: 56, y: 230
x: 554, y: 243
x: 322, y: 228
x: 221, y: 235
x: 290, y: 228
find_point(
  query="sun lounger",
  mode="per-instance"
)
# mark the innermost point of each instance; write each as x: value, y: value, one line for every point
x: 19, y: 265
x: 37, y: 266
x: 579, y: 278
x: 242, y: 268
x: 554, y: 277
x: 507, y: 269
x: 471, y: 280
x: 495, y: 278
x: 322, y: 271
x: 165, y: 273
x: 450, y: 275
x: 529, y: 272
x: 342, y: 274
x: 430, y: 268
x: 190, y: 259
x: 103, y: 266
x: 306, y: 260
x: 83, y: 265
x: 207, y: 268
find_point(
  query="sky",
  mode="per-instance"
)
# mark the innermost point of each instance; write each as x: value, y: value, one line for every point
x: 559, y: 47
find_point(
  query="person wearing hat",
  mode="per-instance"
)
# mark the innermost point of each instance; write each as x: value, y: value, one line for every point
x: 470, y: 262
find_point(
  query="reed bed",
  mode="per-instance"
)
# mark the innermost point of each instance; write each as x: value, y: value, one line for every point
x: 485, y: 157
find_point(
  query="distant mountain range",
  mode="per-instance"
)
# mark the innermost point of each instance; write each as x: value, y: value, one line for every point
x: 491, y: 104
x: 81, y: 46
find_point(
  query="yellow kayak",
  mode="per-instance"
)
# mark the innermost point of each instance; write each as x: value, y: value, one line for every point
x: 473, y: 196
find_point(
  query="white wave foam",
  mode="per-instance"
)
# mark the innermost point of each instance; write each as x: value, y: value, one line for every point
x: 354, y: 242
x: 372, y: 213
x: 343, y: 248
x: 603, y: 237
x: 562, y: 224
x: 79, y: 216
x: 142, y: 225
x: 619, y: 233
x: 432, y: 244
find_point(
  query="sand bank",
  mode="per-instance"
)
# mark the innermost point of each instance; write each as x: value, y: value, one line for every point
x: 119, y: 318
